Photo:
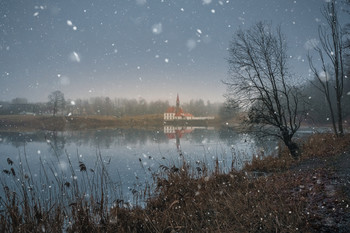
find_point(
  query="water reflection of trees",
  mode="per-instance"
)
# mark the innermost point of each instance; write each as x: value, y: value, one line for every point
x: 122, y: 137
x: 93, y: 138
x: 116, y: 137
x: 108, y: 138
x: 57, y: 142
x: 231, y: 136
x: 197, y: 136
x: 18, y: 139
x: 228, y: 135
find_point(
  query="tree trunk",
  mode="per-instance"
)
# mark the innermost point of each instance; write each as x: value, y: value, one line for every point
x: 294, y: 149
x: 340, y: 118
x: 292, y: 146
x: 332, y: 115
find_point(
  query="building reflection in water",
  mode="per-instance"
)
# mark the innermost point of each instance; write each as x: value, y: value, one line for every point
x: 178, y: 132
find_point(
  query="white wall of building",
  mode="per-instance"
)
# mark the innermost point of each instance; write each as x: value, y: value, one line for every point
x: 169, y: 116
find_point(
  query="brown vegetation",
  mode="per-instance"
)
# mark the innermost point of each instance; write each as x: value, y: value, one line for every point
x: 61, y: 123
x: 189, y: 199
x: 315, y: 146
x: 305, y: 200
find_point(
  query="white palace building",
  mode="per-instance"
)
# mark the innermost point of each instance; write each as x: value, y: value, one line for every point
x: 177, y: 113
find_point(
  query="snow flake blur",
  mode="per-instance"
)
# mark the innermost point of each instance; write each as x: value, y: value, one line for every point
x: 157, y: 28
x: 74, y: 57
x: 181, y: 40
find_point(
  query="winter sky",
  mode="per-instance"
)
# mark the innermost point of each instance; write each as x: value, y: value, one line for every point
x: 152, y: 49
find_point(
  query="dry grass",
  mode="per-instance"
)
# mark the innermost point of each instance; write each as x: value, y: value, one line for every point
x: 236, y: 202
x: 271, y: 163
x: 52, y: 201
x: 323, y: 145
x: 189, y: 200
x: 30, y: 123
x: 315, y: 146
x: 23, y: 123
x: 61, y: 123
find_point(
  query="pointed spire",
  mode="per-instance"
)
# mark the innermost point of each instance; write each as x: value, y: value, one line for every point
x: 177, y: 103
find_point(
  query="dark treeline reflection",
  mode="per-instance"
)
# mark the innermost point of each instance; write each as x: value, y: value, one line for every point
x: 58, y: 141
x: 115, y: 137
x: 230, y: 137
x: 95, y: 138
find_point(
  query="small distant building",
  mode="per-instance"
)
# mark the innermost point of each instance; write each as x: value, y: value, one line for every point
x: 177, y: 113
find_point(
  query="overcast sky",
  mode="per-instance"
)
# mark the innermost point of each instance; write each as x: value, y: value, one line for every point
x: 152, y: 49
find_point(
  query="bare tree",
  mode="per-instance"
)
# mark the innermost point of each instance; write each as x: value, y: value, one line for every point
x: 261, y: 84
x: 56, y: 102
x: 331, y: 50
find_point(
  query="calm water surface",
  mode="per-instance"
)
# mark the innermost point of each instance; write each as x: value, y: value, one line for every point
x: 130, y: 155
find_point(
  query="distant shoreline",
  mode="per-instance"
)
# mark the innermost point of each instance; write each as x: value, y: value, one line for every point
x: 27, y: 123
x: 32, y: 123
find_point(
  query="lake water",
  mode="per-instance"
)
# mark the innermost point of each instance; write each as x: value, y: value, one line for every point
x: 129, y: 155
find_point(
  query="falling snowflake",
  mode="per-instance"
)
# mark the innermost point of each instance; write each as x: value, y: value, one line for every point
x: 64, y: 81
x: 74, y: 57
x: 324, y: 76
x: 206, y: 2
x: 311, y: 44
x: 157, y: 28
x: 141, y: 2
x: 191, y: 44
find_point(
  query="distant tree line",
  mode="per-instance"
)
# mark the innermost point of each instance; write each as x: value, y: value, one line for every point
x: 119, y: 107
x: 22, y: 106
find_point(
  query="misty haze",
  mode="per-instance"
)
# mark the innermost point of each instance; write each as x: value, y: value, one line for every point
x: 175, y: 116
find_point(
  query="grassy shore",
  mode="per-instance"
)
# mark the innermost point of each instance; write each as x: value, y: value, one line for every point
x: 61, y: 123
x: 286, y: 195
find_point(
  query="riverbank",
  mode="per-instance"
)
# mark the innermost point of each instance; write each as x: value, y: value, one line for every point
x: 25, y: 123
x: 273, y: 194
